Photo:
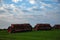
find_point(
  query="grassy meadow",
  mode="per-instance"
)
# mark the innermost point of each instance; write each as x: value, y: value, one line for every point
x: 33, y: 35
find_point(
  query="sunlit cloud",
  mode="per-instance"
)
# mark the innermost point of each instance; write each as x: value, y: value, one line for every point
x: 16, y: 1
x: 32, y: 1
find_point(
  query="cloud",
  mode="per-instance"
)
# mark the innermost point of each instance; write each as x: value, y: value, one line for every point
x: 32, y: 1
x: 39, y: 13
x: 11, y: 14
x: 16, y: 1
x: 55, y: 0
x: 4, y: 24
x: 44, y: 5
x: 2, y: 11
x: 1, y: 8
x: 12, y: 5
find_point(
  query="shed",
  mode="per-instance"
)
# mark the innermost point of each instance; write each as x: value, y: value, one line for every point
x: 57, y: 26
x: 42, y: 27
x: 19, y: 28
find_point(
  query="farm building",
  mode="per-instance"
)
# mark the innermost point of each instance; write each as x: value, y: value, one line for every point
x: 42, y: 27
x: 19, y: 28
x: 57, y: 26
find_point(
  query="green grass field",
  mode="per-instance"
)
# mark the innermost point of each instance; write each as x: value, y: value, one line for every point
x: 34, y: 35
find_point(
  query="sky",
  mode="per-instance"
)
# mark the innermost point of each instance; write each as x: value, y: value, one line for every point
x: 29, y: 11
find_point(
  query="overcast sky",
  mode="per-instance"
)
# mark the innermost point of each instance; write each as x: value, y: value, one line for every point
x: 29, y: 11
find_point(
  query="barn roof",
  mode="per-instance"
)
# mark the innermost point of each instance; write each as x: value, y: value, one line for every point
x: 43, y: 24
x: 21, y: 24
x: 58, y: 25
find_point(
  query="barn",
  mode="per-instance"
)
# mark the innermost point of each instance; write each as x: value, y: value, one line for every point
x: 42, y: 27
x: 19, y: 28
x: 57, y: 26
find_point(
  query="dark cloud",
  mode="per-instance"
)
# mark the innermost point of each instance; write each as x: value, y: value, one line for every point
x: 26, y: 11
x: 2, y: 11
x: 37, y: 9
x: 58, y: 1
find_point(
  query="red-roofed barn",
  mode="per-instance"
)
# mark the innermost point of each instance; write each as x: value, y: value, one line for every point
x: 57, y: 26
x: 42, y: 27
x: 19, y: 28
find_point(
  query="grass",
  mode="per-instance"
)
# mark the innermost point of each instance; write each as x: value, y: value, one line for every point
x: 33, y: 35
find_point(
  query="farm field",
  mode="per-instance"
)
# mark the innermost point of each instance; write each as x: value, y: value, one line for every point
x: 33, y: 35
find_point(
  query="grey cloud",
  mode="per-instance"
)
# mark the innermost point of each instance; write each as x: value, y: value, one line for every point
x: 26, y: 11
x: 37, y: 9
x: 4, y: 24
x: 2, y: 11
